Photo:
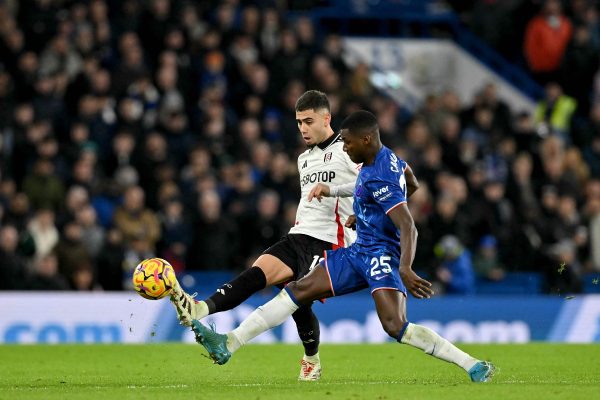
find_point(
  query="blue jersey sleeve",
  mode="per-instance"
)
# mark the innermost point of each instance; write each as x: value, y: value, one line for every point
x: 389, y: 189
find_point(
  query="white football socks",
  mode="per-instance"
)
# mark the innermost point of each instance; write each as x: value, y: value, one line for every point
x: 265, y: 317
x: 431, y: 343
x: 200, y: 309
x: 314, y: 359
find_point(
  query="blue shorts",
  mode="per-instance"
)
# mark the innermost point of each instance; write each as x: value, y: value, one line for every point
x: 351, y: 270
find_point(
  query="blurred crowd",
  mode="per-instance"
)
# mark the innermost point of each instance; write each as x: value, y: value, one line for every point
x: 131, y: 129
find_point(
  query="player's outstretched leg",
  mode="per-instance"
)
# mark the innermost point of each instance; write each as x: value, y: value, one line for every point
x: 391, y: 309
x: 308, y: 330
x: 220, y: 347
x: 228, y: 296
x: 435, y: 345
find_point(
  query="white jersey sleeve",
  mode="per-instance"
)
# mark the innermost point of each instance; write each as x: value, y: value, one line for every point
x: 325, y: 220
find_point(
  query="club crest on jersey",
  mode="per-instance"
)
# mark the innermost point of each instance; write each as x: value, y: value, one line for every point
x: 327, y: 157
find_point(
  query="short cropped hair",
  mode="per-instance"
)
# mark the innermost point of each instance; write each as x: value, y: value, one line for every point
x: 360, y: 121
x: 312, y: 100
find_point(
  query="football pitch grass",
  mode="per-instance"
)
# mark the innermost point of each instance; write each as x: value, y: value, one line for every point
x: 258, y: 372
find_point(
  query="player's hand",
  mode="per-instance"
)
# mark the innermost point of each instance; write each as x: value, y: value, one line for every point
x: 319, y: 191
x: 351, y: 222
x: 417, y: 286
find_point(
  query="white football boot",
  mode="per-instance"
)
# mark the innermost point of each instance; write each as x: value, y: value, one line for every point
x: 184, y: 304
x: 309, y: 370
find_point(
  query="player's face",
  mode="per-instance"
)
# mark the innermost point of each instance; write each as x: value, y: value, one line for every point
x: 352, y: 146
x: 313, y: 125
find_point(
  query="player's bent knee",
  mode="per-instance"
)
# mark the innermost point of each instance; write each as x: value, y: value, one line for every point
x: 393, y: 326
x: 275, y: 270
x: 303, y: 292
x: 298, y: 291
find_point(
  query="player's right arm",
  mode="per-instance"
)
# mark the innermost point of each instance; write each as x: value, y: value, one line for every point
x: 321, y: 190
x: 403, y: 220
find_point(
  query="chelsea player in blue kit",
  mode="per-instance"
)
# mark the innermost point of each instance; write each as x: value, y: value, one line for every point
x: 374, y: 261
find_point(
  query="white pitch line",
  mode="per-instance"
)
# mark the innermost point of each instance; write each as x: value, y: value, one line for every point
x: 156, y: 386
x: 31, y: 388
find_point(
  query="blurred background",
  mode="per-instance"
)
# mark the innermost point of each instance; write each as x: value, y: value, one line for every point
x: 139, y: 128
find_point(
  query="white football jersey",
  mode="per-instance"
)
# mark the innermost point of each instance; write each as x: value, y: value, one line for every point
x: 328, y: 164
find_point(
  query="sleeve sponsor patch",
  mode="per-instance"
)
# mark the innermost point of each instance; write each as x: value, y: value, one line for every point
x: 382, y: 193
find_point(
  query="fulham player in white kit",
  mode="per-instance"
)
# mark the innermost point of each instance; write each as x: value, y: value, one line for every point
x: 319, y: 226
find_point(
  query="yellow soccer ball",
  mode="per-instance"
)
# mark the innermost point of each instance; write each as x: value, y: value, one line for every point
x: 154, y: 278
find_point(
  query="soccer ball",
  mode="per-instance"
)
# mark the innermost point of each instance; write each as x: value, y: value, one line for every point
x: 154, y: 278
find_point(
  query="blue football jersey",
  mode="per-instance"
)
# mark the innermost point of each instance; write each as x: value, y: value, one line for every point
x: 380, y: 187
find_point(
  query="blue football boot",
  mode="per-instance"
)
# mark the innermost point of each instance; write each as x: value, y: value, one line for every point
x: 215, y: 343
x: 482, y: 371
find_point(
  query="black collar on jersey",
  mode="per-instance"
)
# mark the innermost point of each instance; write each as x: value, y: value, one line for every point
x: 331, y: 139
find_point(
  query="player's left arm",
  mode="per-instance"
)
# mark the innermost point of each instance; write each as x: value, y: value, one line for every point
x: 403, y: 220
x: 412, y: 184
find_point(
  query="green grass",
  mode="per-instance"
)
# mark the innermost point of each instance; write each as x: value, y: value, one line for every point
x: 390, y: 371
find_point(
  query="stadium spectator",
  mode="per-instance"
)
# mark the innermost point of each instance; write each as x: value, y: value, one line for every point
x: 525, y: 134
x: 45, y: 274
x: 546, y: 39
x: 579, y: 66
x: 572, y: 226
x: 455, y: 271
x: 135, y: 221
x: 121, y: 156
x: 13, y: 270
x: 497, y: 217
x: 522, y: 191
x: 92, y: 234
x: 18, y: 211
x: 215, y: 238
x: 264, y: 228
x: 486, y: 263
x: 450, y: 132
x: 43, y: 232
x: 563, y: 270
x: 446, y: 220
x: 592, y: 213
x: 176, y: 233
x: 43, y: 188
x: 71, y: 252
x: 592, y: 156
x: 83, y: 277
x: 420, y: 207
x: 60, y: 57
x: 110, y: 264
x: 553, y: 114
